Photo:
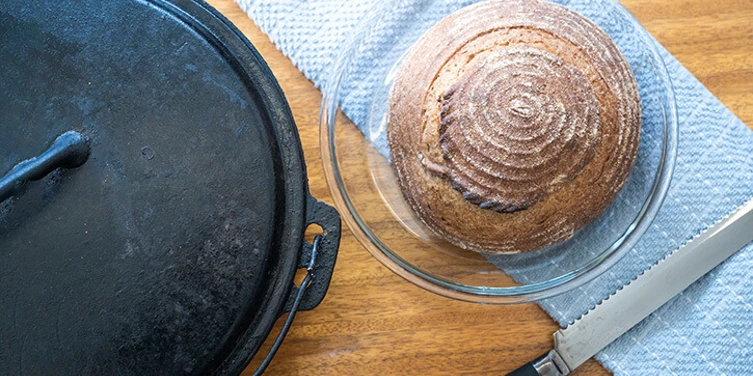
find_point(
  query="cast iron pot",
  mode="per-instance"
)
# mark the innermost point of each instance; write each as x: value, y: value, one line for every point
x: 153, y: 193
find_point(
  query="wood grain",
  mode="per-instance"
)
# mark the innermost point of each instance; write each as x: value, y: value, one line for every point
x: 373, y: 322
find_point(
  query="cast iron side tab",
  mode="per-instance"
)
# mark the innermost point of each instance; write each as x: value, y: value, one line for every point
x: 70, y: 150
x: 327, y: 217
x: 319, y: 260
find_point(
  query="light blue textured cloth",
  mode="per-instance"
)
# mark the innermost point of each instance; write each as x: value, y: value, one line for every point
x: 708, y: 329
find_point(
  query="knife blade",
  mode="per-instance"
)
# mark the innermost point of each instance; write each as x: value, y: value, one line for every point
x: 619, y: 312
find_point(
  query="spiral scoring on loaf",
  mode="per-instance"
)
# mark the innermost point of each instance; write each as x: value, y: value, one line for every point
x: 516, y: 125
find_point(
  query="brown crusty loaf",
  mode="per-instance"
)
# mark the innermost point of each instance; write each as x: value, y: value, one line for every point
x: 512, y: 124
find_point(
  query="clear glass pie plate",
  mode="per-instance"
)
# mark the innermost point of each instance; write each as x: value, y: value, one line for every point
x: 366, y: 191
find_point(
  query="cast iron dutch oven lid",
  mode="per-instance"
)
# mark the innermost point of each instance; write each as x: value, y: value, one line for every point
x: 153, y: 198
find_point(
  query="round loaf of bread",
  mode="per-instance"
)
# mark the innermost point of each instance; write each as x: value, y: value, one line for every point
x: 512, y: 124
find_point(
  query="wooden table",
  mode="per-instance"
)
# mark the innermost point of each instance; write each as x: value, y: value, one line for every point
x: 374, y: 322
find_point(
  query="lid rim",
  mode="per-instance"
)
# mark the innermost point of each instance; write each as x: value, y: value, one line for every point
x: 252, y: 68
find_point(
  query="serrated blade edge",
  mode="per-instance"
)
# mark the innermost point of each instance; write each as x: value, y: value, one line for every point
x: 624, y: 309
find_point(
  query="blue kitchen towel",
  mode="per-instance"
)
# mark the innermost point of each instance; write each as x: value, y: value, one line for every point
x: 708, y: 329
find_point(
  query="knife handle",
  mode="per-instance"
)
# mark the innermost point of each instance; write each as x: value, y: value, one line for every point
x: 551, y: 364
x: 527, y: 370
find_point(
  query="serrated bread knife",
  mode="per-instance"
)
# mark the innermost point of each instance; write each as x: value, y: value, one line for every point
x: 618, y: 313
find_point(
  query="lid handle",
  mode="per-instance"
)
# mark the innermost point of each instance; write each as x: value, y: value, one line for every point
x: 70, y: 150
